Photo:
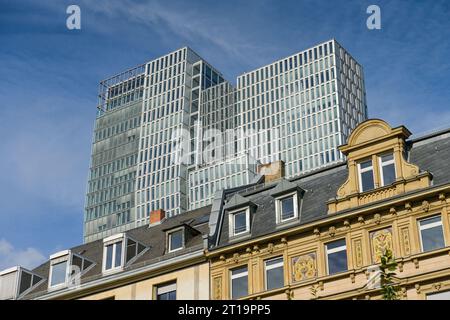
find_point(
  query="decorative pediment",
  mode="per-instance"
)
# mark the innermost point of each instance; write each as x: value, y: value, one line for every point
x: 368, y: 142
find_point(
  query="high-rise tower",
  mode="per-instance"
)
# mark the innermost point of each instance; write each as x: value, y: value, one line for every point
x: 297, y: 109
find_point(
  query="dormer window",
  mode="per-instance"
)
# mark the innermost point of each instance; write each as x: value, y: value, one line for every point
x: 65, y: 267
x: 113, y: 258
x: 287, y: 195
x: 239, y: 222
x: 176, y: 239
x: 366, y: 178
x: 387, y: 169
x: 287, y: 207
x: 120, y: 250
x: 16, y: 282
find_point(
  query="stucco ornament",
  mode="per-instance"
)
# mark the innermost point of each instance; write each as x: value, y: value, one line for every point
x: 381, y: 241
x: 304, y: 267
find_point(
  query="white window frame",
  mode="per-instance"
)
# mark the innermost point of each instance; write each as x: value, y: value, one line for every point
x: 237, y: 276
x: 381, y: 164
x: 61, y: 256
x: 231, y: 221
x: 334, y: 250
x: 169, y: 242
x: 165, y: 288
x: 361, y: 171
x: 274, y: 266
x: 429, y: 226
x: 113, y: 240
x: 279, y: 208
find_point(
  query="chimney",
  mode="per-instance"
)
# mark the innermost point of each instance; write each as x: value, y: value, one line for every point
x: 272, y: 171
x: 156, y: 216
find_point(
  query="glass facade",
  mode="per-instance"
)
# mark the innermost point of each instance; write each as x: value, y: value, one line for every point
x: 298, y: 109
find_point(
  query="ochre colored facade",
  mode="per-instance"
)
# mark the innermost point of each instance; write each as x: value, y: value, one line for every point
x: 192, y: 283
x: 370, y: 222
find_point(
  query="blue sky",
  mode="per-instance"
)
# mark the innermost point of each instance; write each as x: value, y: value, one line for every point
x: 49, y: 77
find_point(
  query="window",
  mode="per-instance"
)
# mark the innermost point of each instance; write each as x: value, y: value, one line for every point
x: 274, y: 273
x: 64, y: 266
x: 176, y: 241
x: 239, y: 282
x: 17, y: 281
x: 113, y: 257
x: 119, y: 250
x: 366, y: 180
x: 445, y: 295
x: 58, y: 273
x: 239, y: 222
x: 431, y: 234
x: 387, y: 169
x: 167, y: 291
x: 336, y: 252
x: 287, y: 208
x: 134, y: 248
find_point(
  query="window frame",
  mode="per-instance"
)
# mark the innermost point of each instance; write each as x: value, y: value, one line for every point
x: 67, y: 257
x: 231, y: 221
x: 361, y: 171
x: 107, y: 242
x: 57, y: 258
x: 381, y: 164
x: 429, y: 226
x: 169, y: 242
x: 165, y: 285
x: 239, y: 275
x: 279, y: 207
x: 274, y: 266
x: 334, y: 250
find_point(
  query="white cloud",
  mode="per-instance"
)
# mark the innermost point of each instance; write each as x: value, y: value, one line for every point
x: 10, y: 256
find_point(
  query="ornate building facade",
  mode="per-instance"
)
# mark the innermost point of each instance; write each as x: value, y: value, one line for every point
x: 321, y: 236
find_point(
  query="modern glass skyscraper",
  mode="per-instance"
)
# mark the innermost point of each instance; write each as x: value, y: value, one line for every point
x: 297, y: 109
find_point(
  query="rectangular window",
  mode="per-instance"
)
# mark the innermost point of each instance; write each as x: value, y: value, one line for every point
x: 286, y: 208
x: 336, y: 252
x: 176, y: 240
x: 239, y: 222
x: 445, y: 295
x: 431, y: 234
x: 387, y: 169
x: 366, y: 180
x: 274, y: 273
x: 239, y: 282
x: 113, y: 257
x: 167, y: 291
x: 59, y: 273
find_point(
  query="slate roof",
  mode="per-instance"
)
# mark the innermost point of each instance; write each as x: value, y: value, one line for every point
x: 430, y: 153
x: 153, y: 237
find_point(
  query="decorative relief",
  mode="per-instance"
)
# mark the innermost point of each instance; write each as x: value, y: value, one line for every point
x: 408, y: 206
x: 358, y: 254
x: 377, y: 218
x: 405, y: 241
x: 425, y: 206
x: 377, y: 195
x: 217, y: 288
x: 381, y: 241
x: 304, y: 267
x: 332, y: 231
